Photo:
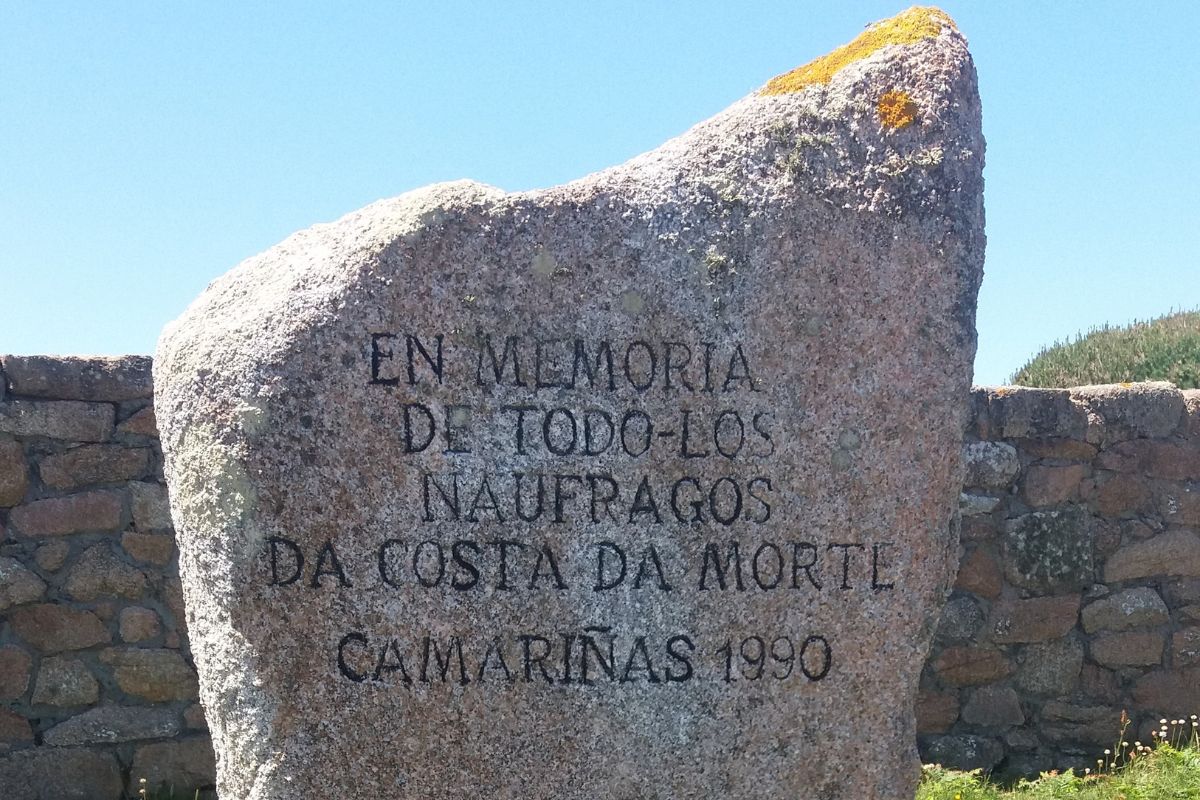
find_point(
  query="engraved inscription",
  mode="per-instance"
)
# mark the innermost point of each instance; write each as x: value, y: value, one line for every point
x: 643, y: 440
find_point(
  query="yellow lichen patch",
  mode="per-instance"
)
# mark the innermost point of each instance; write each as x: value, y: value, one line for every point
x: 896, y: 109
x: 920, y: 22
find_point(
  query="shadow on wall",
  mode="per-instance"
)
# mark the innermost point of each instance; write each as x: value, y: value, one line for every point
x: 97, y: 687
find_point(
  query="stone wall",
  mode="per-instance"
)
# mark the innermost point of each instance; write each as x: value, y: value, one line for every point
x: 1078, y: 594
x: 97, y: 687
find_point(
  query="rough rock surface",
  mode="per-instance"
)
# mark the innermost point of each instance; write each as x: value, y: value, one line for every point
x: 991, y: 465
x: 62, y: 774
x: 65, y: 682
x: 17, y: 584
x: 1139, y: 607
x: 604, y: 490
x: 110, y: 724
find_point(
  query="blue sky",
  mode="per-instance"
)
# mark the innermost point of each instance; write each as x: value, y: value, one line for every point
x: 146, y: 148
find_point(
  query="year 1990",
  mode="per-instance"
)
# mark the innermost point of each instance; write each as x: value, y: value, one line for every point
x: 757, y: 658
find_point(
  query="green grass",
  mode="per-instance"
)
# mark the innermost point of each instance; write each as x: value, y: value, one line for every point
x: 1165, y: 772
x: 1163, y: 349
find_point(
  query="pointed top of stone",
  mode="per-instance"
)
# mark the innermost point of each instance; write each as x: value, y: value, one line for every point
x: 917, y: 24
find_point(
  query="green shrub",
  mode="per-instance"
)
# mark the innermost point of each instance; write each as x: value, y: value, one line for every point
x: 1163, y: 349
x: 1169, y: 769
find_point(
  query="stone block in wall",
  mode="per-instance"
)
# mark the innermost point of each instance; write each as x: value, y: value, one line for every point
x: 140, y: 423
x: 1128, y: 649
x: 65, y: 682
x: 1022, y: 413
x: 979, y: 573
x: 965, y: 752
x: 1171, y: 554
x: 978, y: 528
x: 100, y: 574
x: 18, y: 585
x: 14, y: 473
x: 52, y: 628
x: 990, y: 465
x: 1035, y: 619
x: 1050, y: 668
x: 993, y: 707
x: 69, y: 420
x: 1021, y: 739
x: 1049, y: 550
x: 1121, y: 495
x: 1135, y: 529
x: 1099, y: 683
x: 151, y: 674
x: 1058, y: 449
x: 1070, y: 726
x: 1191, y: 403
x: 85, y: 512
x: 960, y: 620
x: 1169, y: 692
x: 1045, y: 486
x: 51, y: 556
x: 1182, y: 592
x: 1106, y: 537
x: 100, y: 378
x: 936, y: 711
x: 971, y: 666
x: 1185, y: 647
x: 972, y: 505
x: 1129, y: 410
x: 62, y: 774
x: 183, y: 765
x: 151, y: 510
x: 137, y: 624
x: 114, y: 724
x: 94, y: 463
x: 1179, y: 504
x: 152, y: 548
x: 15, y: 666
x: 978, y: 425
x: 194, y: 719
x: 1138, y: 607
x: 15, y: 731
x: 1154, y: 458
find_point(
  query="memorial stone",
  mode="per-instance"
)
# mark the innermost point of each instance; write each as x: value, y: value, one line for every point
x: 643, y: 486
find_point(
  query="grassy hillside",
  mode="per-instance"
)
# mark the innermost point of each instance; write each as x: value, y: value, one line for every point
x: 1163, y: 349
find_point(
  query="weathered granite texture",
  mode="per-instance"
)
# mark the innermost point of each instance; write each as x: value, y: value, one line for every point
x: 1078, y: 590
x: 96, y: 679
x: 639, y: 486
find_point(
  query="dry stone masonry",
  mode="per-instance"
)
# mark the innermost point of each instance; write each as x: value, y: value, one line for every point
x: 1078, y: 589
x: 97, y: 687
x: 640, y: 486
x: 985, y: 699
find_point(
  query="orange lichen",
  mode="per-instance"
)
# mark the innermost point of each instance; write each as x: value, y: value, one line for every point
x: 908, y: 27
x: 896, y: 109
